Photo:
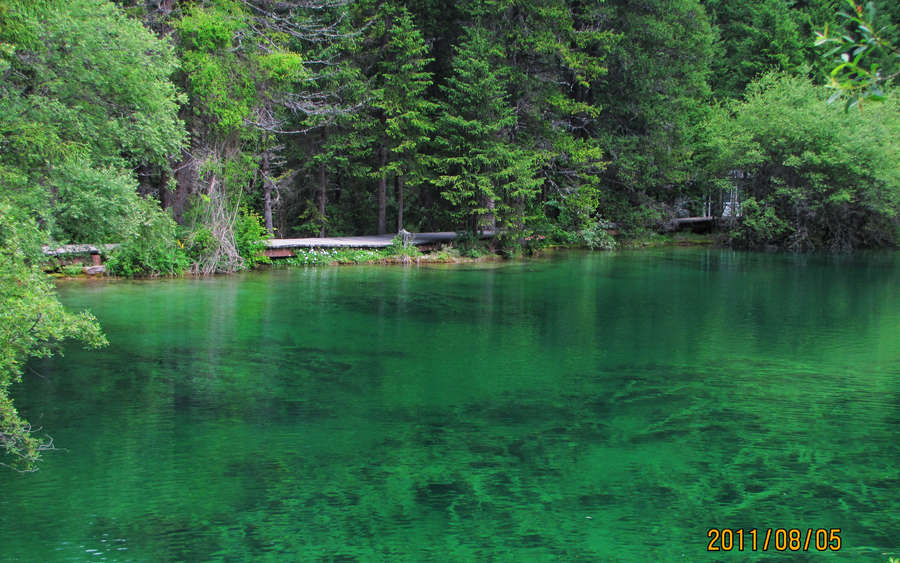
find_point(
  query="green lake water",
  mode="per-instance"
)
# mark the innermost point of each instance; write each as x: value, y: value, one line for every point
x: 582, y: 407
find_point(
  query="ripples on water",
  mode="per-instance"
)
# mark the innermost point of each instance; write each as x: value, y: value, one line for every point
x: 593, y: 407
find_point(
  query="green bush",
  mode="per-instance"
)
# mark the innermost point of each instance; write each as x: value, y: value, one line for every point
x: 447, y: 254
x: 217, y: 239
x: 154, y: 250
x: 323, y: 256
x: 397, y: 249
x: 470, y: 245
x: 95, y: 205
x: 760, y: 224
x: 596, y: 236
x: 72, y: 270
x: 816, y: 177
x: 250, y: 238
x: 197, y: 242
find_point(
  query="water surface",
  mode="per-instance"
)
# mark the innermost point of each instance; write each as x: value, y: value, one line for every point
x: 587, y: 407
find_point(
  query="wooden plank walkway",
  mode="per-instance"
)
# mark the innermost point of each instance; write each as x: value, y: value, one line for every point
x: 690, y: 220
x: 370, y: 241
x: 78, y: 249
x: 281, y: 247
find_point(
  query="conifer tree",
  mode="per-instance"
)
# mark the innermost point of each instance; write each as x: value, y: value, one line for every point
x: 488, y: 179
x: 556, y: 53
x: 753, y: 38
x: 337, y: 136
x: 652, y: 98
x: 405, y: 112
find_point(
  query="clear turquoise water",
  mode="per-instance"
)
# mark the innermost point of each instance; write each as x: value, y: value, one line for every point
x: 586, y: 407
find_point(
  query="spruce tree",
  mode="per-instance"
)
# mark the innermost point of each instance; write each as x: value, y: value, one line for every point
x: 556, y: 53
x: 655, y: 93
x: 406, y: 113
x: 488, y: 179
x: 754, y: 38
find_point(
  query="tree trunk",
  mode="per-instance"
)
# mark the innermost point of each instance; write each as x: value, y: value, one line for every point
x: 338, y: 180
x: 184, y: 169
x: 382, y: 192
x: 488, y: 221
x: 323, y: 188
x: 426, y: 201
x: 267, y: 207
x: 267, y: 192
x: 185, y: 179
x: 165, y: 194
x: 323, y: 185
x: 520, y: 221
x: 399, y: 180
x: 382, y: 155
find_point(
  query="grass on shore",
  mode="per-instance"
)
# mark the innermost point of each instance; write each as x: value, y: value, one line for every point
x: 398, y: 254
x: 449, y: 255
x: 652, y: 240
x: 390, y: 255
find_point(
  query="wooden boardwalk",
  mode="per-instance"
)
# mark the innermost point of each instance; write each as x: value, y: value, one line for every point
x: 276, y: 247
x: 694, y: 220
x: 283, y: 247
x: 369, y: 241
x: 77, y: 249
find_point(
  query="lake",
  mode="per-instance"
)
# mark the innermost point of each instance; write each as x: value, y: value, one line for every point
x: 579, y: 407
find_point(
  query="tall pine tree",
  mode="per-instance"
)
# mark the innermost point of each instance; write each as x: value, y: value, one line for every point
x: 406, y: 113
x: 487, y: 177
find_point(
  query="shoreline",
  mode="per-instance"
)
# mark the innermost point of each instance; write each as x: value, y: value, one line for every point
x: 444, y: 256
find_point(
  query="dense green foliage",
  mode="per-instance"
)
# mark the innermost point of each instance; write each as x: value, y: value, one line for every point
x: 816, y: 177
x: 867, y: 50
x: 759, y: 37
x: 153, y: 249
x: 656, y: 90
x: 544, y: 119
x: 482, y: 173
x: 77, y: 116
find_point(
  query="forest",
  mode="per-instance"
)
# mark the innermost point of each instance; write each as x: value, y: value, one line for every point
x: 188, y: 131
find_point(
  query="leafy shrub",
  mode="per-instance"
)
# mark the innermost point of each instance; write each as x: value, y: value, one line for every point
x: 197, y: 242
x: 447, y: 254
x: 816, y: 177
x: 398, y: 249
x: 219, y: 238
x: 72, y: 270
x: 250, y: 238
x: 596, y: 236
x: 154, y: 250
x: 95, y: 205
x: 324, y: 256
x: 358, y: 255
x: 760, y: 224
x: 470, y: 245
